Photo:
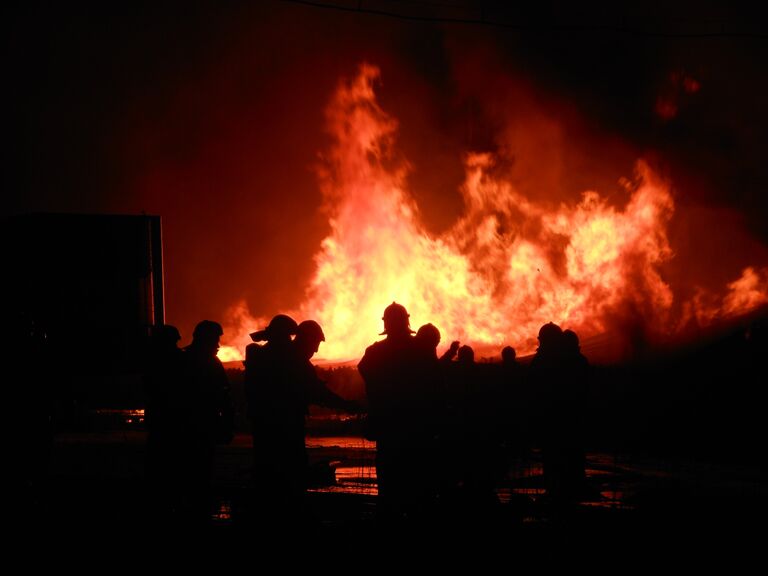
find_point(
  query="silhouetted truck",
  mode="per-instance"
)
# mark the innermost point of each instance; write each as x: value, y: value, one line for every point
x: 88, y: 288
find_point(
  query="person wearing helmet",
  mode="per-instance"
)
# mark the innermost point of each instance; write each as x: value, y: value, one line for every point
x: 280, y: 328
x: 387, y: 364
x: 309, y: 389
x: 208, y: 416
x: 428, y: 337
x: 266, y: 365
x: 309, y: 335
x: 439, y: 415
x: 394, y: 382
x: 209, y: 386
x: 268, y: 391
x: 555, y: 373
x: 396, y: 321
x: 282, y: 382
x: 550, y: 339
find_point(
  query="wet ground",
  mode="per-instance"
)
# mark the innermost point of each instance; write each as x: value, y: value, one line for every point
x: 96, y: 480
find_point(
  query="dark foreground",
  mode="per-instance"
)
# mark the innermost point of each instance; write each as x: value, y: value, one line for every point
x: 95, y: 484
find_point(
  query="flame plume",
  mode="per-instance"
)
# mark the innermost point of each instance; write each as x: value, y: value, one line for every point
x: 505, y: 268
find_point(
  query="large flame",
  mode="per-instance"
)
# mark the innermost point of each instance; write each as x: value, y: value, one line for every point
x: 505, y: 268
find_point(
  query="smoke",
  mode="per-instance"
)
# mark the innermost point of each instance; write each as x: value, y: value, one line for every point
x: 509, y: 264
x: 215, y: 119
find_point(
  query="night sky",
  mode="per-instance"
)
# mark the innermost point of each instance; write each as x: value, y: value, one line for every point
x: 212, y: 116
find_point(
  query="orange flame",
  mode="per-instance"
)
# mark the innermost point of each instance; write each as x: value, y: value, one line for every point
x: 505, y: 268
x: 743, y: 295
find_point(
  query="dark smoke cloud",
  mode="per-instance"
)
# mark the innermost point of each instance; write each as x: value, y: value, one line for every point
x: 212, y: 116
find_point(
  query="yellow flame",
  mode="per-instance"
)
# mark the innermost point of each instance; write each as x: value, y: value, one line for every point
x: 484, y: 281
x: 229, y: 354
x: 505, y: 268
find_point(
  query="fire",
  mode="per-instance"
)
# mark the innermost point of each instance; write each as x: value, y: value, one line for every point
x: 229, y: 354
x: 505, y: 268
x: 744, y: 294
